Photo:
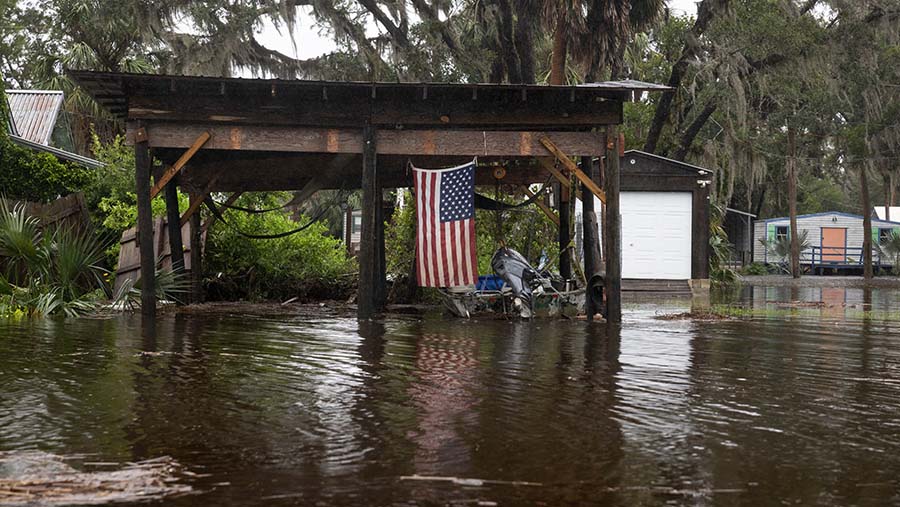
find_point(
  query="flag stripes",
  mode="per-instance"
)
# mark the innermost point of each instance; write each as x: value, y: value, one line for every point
x: 445, y: 232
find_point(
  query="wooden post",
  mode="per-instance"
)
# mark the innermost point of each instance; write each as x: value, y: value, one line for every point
x: 348, y: 230
x: 196, y: 252
x: 565, y: 260
x: 369, y: 257
x: 144, y: 236
x: 590, y: 236
x: 614, y: 230
x: 173, y: 219
x: 381, y: 271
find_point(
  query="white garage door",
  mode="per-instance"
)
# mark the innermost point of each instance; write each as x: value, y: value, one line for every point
x: 656, y: 235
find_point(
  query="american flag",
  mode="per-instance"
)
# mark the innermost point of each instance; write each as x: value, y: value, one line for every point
x: 445, y: 232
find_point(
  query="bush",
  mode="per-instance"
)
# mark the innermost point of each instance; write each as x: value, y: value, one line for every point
x: 110, y: 195
x: 31, y: 175
x: 757, y: 268
x: 306, y: 264
x: 46, y: 272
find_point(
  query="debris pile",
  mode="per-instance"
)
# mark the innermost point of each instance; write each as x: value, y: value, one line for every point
x: 40, y: 478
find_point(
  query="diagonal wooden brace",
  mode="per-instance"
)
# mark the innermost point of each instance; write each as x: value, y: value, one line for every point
x: 547, y: 211
x: 573, y: 169
x: 551, y: 168
x: 172, y: 170
x: 196, y: 203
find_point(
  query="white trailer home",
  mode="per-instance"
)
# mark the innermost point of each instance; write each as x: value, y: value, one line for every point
x: 834, y: 238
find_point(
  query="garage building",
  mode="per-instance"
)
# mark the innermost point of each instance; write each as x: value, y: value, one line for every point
x: 665, y: 223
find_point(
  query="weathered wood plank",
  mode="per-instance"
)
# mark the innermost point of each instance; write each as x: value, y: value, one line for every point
x: 142, y: 163
x: 170, y: 172
x: 564, y: 159
x: 176, y: 247
x: 369, y: 261
x: 483, y: 143
x: 197, y: 202
x: 551, y: 168
x: 196, y: 254
x: 613, y: 224
x: 390, y: 142
x: 284, y: 110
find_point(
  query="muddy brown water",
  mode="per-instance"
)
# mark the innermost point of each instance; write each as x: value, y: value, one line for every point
x: 767, y: 410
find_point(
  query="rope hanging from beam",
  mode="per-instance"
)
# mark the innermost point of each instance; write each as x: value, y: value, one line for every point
x: 484, y: 202
x: 211, y: 205
x: 252, y: 211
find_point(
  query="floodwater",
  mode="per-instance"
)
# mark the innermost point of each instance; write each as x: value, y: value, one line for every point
x: 795, y: 408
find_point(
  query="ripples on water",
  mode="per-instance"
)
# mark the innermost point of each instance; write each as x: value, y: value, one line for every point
x: 300, y: 410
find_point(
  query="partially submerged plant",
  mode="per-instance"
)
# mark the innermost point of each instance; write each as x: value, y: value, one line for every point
x: 169, y: 286
x: 47, y: 272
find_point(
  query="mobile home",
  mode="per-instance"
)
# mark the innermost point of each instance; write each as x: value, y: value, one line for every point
x: 834, y: 239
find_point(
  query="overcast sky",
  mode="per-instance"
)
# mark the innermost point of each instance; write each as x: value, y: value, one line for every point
x: 311, y: 44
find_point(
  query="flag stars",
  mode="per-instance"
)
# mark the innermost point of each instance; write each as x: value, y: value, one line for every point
x: 457, y: 194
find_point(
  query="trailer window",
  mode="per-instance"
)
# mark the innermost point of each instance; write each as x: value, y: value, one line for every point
x: 781, y: 232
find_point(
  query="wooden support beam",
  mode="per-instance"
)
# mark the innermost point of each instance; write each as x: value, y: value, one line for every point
x: 144, y: 234
x: 171, y: 171
x: 573, y: 168
x: 176, y: 246
x: 546, y: 209
x: 369, y: 258
x: 613, y: 225
x: 551, y: 168
x: 288, y: 139
x: 196, y: 253
x: 197, y: 202
x: 590, y: 241
x: 564, y: 232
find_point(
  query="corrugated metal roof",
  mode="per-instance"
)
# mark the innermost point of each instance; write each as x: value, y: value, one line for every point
x: 34, y: 113
x: 58, y: 153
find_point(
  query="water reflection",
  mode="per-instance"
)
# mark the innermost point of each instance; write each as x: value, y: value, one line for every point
x: 831, y: 303
x: 782, y: 407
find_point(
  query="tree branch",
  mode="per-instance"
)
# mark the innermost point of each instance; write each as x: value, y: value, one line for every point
x: 706, y: 11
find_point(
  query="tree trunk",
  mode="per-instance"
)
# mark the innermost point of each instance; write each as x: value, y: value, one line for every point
x: 690, y: 134
x: 888, y: 195
x: 525, y: 39
x: 706, y: 11
x: 792, y: 200
x: 558, y: 57
x: 507, y: 42
x: 867, y: 221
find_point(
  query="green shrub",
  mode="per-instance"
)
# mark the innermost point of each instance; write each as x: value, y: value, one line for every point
x: 110, y: 195
x: 306, y: 264
x: 757, y: 268
x: 46, y: 271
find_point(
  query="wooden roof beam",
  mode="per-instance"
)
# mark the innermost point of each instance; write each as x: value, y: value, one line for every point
x: 471, y: 143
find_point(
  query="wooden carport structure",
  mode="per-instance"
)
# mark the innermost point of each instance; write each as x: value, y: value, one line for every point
x: 229, y: 134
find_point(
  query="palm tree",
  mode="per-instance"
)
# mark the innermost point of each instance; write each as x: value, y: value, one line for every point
x: 890, y: 249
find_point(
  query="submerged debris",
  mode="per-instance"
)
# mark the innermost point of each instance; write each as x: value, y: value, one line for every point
x: 696, y: 315
x: 40, y: 478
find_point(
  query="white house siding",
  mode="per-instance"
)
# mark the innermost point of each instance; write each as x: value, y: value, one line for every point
x: 813, y: 224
